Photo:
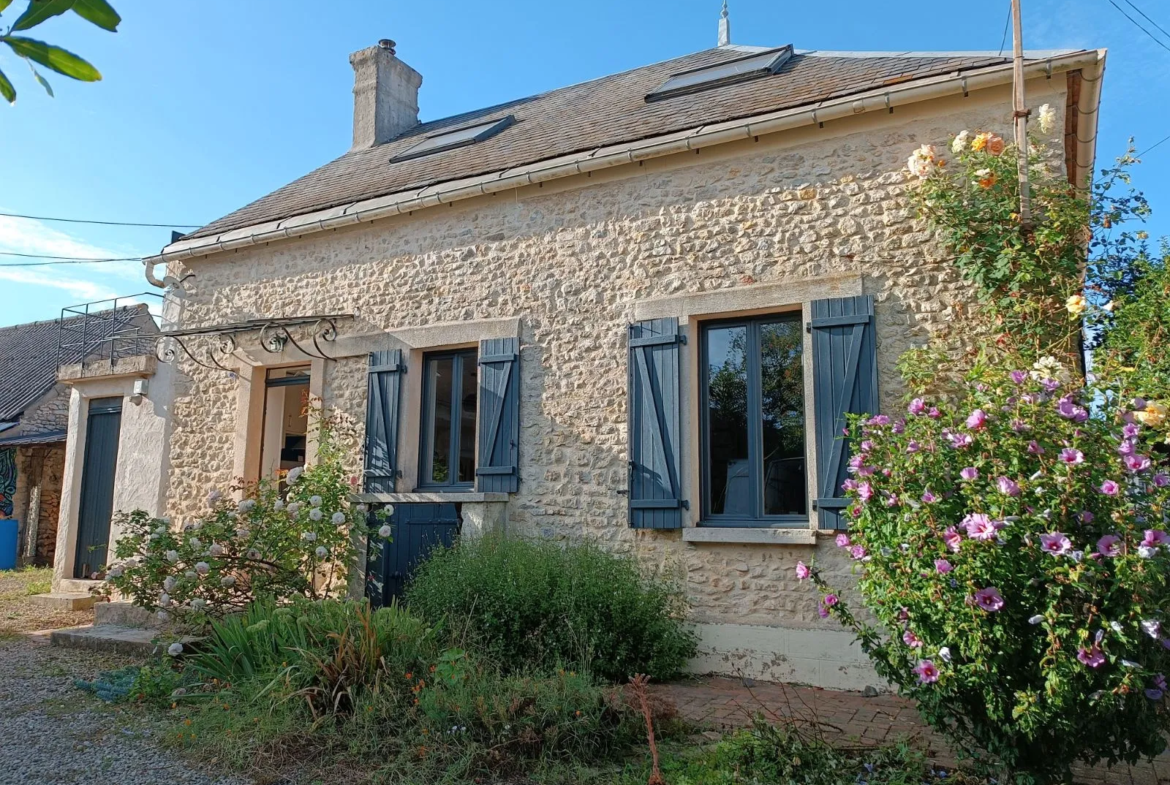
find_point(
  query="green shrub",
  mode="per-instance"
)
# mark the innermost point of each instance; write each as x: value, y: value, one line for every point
x: 535, y: 605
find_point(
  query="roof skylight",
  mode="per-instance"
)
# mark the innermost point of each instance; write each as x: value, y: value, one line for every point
x: 449, y: 140
x: 708, y: 77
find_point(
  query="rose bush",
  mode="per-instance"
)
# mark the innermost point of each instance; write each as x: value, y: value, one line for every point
x: 1014, y: 554
x: 285, y: 537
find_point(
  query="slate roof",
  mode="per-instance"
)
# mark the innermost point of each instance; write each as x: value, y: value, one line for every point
x: 607, y: 111
x: 28, y: 355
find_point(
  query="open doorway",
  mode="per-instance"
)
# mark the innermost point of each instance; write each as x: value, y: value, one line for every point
x: 286, y: 420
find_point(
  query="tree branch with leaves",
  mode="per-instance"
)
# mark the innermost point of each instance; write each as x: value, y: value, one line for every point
x: 54, y: 58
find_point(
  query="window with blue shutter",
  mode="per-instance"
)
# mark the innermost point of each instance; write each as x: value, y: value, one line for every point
x: 382, y: 396
x: 498, y: 469
x: 844, y: 382
x: 655, y: 479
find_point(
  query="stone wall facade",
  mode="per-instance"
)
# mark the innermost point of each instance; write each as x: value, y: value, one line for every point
x: 47, y: 415
x: 572, y: 262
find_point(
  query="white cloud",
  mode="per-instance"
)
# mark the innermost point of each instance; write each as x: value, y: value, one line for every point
x: 81, y: 290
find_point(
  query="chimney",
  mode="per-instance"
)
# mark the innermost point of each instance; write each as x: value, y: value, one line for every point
x: 385, y: 95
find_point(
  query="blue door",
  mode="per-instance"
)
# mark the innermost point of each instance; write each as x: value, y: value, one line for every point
x: 415, y: 530
x: 97, y: 485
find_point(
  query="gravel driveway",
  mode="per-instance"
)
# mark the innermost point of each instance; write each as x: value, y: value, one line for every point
x: 51, y: 732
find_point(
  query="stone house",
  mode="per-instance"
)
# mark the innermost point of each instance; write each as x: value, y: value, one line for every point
x: 34, y: 415
x: 634, y: 310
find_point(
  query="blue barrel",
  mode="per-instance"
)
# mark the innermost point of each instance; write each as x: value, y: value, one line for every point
x: 8, y: 527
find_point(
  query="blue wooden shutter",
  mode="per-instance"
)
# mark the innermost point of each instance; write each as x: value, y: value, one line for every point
x: 655, y: 414
x: 844, y: 381
x: 498, y: 468
x: 382, y: 394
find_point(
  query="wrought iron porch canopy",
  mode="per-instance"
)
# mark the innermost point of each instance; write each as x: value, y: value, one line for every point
x: 274, y: 335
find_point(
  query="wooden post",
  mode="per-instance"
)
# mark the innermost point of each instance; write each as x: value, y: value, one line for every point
x: 1020, y: 113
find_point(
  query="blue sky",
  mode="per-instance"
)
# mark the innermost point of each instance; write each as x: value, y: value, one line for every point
x: 208, y: 105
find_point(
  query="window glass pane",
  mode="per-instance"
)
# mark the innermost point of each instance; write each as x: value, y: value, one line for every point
x: 284, y: 431
x: 727, y: 435
x: 467, y: 418
x: 439, y: 381
x: 782, y: 400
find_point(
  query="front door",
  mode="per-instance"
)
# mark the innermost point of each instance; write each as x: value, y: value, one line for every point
x: 97, y: 485
x: 415, y: 530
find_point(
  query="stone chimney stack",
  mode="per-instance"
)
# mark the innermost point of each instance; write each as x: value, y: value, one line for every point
x: 385, y: 95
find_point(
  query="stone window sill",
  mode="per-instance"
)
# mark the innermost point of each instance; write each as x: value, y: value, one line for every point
x: 423, y: 497
x: 758, y: 536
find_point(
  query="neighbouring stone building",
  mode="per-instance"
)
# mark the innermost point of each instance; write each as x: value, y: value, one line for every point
x: 633, y: 311
x: 34, y: 418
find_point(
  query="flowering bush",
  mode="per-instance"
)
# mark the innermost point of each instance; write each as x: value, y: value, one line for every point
x: 1015, y: 555
x: 283, y: 538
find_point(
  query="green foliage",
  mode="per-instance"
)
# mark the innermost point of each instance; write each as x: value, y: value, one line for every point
x: 153, y: 684
x: 314, y: 683
x: 286, y: 538
x: 96, y: 12
x: 1011, y: 550
x: 533, y: 605
x: 768, y: 754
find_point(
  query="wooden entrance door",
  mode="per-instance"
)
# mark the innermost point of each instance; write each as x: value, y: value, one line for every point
x: 97, y: 485
x: 416, y: 530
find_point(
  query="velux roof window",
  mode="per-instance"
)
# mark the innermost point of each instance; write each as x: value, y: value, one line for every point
x: 742, y: 69
x: 449, y: 140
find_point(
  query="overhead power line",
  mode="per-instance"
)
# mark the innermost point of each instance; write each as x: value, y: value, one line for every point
x: 1139, y: 25
x: 53, y: 260
x: 1151, y: 147
x: 1147, y: 18
x: 99, y: 223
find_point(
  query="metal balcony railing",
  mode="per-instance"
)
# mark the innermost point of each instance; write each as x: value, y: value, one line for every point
x: 106, y: 330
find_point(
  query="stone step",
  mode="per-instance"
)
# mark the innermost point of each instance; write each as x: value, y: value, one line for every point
x: 64, y: 600
x: 132, y: 641
x: 124, y: 614
x: 76, y: 585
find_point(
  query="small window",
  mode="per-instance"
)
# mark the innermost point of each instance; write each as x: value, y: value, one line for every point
x: 729, y: 72
x: 753, y: 422
x: 286, y: 420
x: 450, y: 389
x: 449, y: 140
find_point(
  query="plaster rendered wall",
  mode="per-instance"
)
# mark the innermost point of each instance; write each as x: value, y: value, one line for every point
x: 571, y: 262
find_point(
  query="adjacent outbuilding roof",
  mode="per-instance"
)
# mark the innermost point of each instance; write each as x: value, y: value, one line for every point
x: 596, y: 114
x: 28, y: 355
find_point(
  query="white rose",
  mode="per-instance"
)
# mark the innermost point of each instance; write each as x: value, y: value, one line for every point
x: 198, y: 603
x: 960, y: 143
x: 315, y: 514
x: 227, y: 580
x: 363, y: 508
x: 164, y: 599
x: 246, y: 505
x: 131, y: 563
x: 253, y: 553
x: 195, y: 542
x: 243, y: 533
x: 172, y: 556
x: 202, y: 568
x: 215, y: 550
x: 175, y: 649
x: 190, y: 575
x: 385, y: 532
x: 294, y: 473
x: 169, y: 584
x: 115, y: 572
x: 213, y: 496
x: 309, y: 536
x: 321, y: 552
x: 294, y: 508
x: 338, y: 519
x: 155, y: 537
x: 388, y: 509
x: 315, y: 501
x: 162, y: 615
x: 278, y: 505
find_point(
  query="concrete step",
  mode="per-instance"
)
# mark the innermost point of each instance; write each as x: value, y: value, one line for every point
x: 132, y: 641
x: 124, y: 614
x: 76, y: 585
x: 64, y: 601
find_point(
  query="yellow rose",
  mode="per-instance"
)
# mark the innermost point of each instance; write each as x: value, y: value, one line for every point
x: 1075, y: 305
x: 1153, y: 415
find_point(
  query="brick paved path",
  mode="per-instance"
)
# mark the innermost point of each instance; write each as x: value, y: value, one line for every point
x: 848, y: 718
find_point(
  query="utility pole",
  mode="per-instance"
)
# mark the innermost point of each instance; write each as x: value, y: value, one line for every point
x: 1020, y: 112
